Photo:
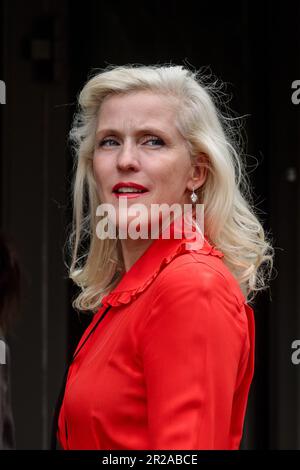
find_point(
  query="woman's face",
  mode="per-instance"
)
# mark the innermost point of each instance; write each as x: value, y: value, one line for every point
x: 137, y: 142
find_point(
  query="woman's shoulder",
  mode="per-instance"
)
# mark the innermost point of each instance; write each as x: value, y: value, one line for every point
x: 200, y: 288
x: 200, y: 273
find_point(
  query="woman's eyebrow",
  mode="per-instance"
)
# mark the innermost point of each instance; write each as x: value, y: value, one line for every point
x: 144, y: 130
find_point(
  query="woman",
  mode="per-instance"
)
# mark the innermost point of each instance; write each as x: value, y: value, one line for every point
x: 168, y: 358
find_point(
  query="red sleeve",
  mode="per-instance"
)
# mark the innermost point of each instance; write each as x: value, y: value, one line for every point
x: 192, y: 348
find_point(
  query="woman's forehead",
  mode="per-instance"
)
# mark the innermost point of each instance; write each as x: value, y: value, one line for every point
x: 140, y: 110
x: 141, y: 101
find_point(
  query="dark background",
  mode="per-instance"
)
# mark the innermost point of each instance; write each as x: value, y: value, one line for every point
x: 47, y: 49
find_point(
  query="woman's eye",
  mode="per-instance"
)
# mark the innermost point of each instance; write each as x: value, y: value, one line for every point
x: 103, y: 142
x: 109, y: 142
x: 156, y: 140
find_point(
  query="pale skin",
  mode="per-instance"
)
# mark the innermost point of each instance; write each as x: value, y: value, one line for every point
x: 137, y: 141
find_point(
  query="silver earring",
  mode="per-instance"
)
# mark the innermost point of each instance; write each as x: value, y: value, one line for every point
x: 194, y: 197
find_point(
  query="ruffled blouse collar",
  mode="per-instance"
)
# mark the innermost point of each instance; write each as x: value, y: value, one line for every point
x: 159, y: 254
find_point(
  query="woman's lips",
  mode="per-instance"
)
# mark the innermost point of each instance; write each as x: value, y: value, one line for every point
x: 130, y: 195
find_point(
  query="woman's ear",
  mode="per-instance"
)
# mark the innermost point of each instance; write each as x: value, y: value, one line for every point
x: 198, y: 171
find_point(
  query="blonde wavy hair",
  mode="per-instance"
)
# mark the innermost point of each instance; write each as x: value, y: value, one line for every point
x: 231, y: 220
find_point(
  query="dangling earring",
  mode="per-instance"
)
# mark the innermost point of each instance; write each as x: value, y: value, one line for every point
x: 194, y: 197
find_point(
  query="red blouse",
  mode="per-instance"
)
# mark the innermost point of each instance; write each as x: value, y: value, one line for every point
x: 170, y: 365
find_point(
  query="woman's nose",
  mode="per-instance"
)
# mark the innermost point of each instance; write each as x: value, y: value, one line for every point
x: 128, y: 156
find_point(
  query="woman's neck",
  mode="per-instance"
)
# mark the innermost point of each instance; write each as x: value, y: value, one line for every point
x: 132, y: 250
